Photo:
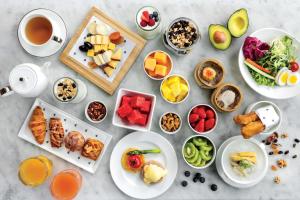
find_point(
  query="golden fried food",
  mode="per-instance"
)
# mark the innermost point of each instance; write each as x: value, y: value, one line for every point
x: 246, y: 119
x: 251, y: 129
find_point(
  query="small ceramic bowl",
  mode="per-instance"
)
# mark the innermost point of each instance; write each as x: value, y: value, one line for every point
x: 151, y: 54
x: 216, y: 118
x: 168, y: 132
x: 87, y: 115
x: 182, y: 79
x: 213, y: 154
x: 259, y: 104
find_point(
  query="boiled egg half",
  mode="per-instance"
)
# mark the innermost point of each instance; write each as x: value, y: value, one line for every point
x: 293, y: 79
x: 282, y: 76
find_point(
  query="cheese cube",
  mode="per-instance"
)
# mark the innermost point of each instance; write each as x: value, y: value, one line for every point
x: 104, y: 40
x: 111, y: 46
x: 160, y: 70
x: 97, y: 60
x: 101, y: 59
x: 161, y: 57
x: 98, y: 39
x: 105, y: 47
x: 93, y: 39
x: 90, y: 53
x: 97, y: 47
x: 107, y: 56
x: 87, y: 39
x: 150, y: 64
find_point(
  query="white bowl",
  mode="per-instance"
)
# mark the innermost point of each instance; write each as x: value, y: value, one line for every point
x: 186, y: 94
x: 213, y: 156
x: 277, y: 92
x: 238, y: 144
x: 167, y: 132
x: 259, y: 104
x: 88, y: 117
x: 157, y: 79
x: 216, y: 117
x: 117, y: 121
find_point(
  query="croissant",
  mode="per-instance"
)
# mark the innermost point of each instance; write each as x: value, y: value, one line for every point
x: 56, y: 132
x: 37, y: 125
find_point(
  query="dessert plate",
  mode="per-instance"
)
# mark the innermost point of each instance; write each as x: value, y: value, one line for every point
x: 70, y: 123
x: 52, y: 48
x: 267, y: 35
x: 132, y: 184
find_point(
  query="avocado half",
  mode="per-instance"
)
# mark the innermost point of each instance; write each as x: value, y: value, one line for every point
x: 238, y: 23
x: 219, y: 36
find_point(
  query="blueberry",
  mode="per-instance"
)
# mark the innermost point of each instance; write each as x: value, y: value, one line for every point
x: 155, y: 14
x: 187, y: 173
x: 195, y: 179
x: 197, y: 175
x: 214, y: 187
x: 184, y: 183
x: 151, y: 16
x: 202, y: 179
x: 156, y: 19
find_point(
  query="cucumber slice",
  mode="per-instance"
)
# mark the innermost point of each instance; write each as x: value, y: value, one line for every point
x: 258, y: 71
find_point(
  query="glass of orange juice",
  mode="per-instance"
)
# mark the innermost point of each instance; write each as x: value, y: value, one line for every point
x: 35, y: 170
x: 66, y: 184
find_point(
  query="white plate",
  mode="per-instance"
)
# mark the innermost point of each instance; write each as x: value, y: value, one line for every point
x: 276, y: 92
x: 132, y: 184
x: 53, y: 47
x: 81, y: 57
x: 70, y: 123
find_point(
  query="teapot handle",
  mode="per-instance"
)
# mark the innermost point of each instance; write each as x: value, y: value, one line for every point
x: 6, y: 91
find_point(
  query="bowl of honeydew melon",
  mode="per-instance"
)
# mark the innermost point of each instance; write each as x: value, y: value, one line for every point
x: 198, y: 151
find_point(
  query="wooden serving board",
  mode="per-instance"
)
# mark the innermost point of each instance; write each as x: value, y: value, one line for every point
x: 109, y: 85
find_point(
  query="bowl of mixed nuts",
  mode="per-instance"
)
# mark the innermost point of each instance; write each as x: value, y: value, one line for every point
x: 95, y: 111
x: 170, y: 123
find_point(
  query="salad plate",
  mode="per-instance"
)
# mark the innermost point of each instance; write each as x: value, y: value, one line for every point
x: 131, y: 183
x: 276, y: 43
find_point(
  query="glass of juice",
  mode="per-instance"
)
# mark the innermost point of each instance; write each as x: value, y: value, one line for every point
x: 66, y: 184
x: 34, y: 171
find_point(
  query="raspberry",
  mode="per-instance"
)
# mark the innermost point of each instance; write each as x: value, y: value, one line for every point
x: 143, y: 23
x: 210, y: 114
x: 200, y: 126
x: 201, y: 113
x: 151, y: 22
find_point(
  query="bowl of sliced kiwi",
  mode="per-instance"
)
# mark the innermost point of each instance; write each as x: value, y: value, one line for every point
x: 198, y: 151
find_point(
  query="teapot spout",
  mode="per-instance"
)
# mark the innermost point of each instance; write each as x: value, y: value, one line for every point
x: 46, y: 65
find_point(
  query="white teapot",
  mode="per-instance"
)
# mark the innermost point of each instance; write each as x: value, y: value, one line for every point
x: 27, y: 80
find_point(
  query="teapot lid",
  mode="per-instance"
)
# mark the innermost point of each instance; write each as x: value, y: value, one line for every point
x: 23, y: 79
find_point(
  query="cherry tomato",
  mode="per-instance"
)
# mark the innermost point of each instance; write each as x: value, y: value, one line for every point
x: 134, y: 161
x: 294, y: 66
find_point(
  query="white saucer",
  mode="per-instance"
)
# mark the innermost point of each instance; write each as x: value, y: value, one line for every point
x: 53, y: 47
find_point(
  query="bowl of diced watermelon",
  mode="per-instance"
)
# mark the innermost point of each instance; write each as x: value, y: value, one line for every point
x: 202, y: 118
x: 134, y: 110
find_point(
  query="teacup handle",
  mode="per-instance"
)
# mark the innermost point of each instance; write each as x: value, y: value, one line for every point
x: 57, y: 39
x: 6, y: 91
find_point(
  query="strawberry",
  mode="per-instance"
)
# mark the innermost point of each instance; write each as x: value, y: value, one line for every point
x: 210, y: 114
x: 145, y: 16
x: 195, y: 110
x: 151, y: 22
x: 200, y: 126
x: 201, y: 113
x: 209, y: 124
x: 193, y: 118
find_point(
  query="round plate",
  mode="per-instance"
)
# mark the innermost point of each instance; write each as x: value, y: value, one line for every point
x: 132, y: 184
x: 276, y: 92
x: 52, y: 48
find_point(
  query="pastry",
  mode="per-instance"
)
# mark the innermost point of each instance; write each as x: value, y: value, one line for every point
x: 56, y: 132
x: 153, y: 172
x: 209, y: 73
x: 251, y: 129
x: 74, y: 141
x: 246, y: 119
x: 92, y: 148
x: 37, y: 125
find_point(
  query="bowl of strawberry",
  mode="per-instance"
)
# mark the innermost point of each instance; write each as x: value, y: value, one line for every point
x: 134, y: 110
x: 202, y: 118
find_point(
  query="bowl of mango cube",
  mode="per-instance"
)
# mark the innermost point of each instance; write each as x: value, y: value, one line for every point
x: 174, y: 89
x: 158, y: 64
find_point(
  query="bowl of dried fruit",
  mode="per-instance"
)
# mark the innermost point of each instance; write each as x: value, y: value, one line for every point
x: 170, y: 123
x: 95, y: 111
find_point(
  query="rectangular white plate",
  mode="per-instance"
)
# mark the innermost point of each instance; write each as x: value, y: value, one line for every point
x: 81, y: 57
x: 70, y: 123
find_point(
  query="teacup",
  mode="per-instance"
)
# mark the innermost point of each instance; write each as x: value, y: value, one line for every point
x: 39, y: 30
